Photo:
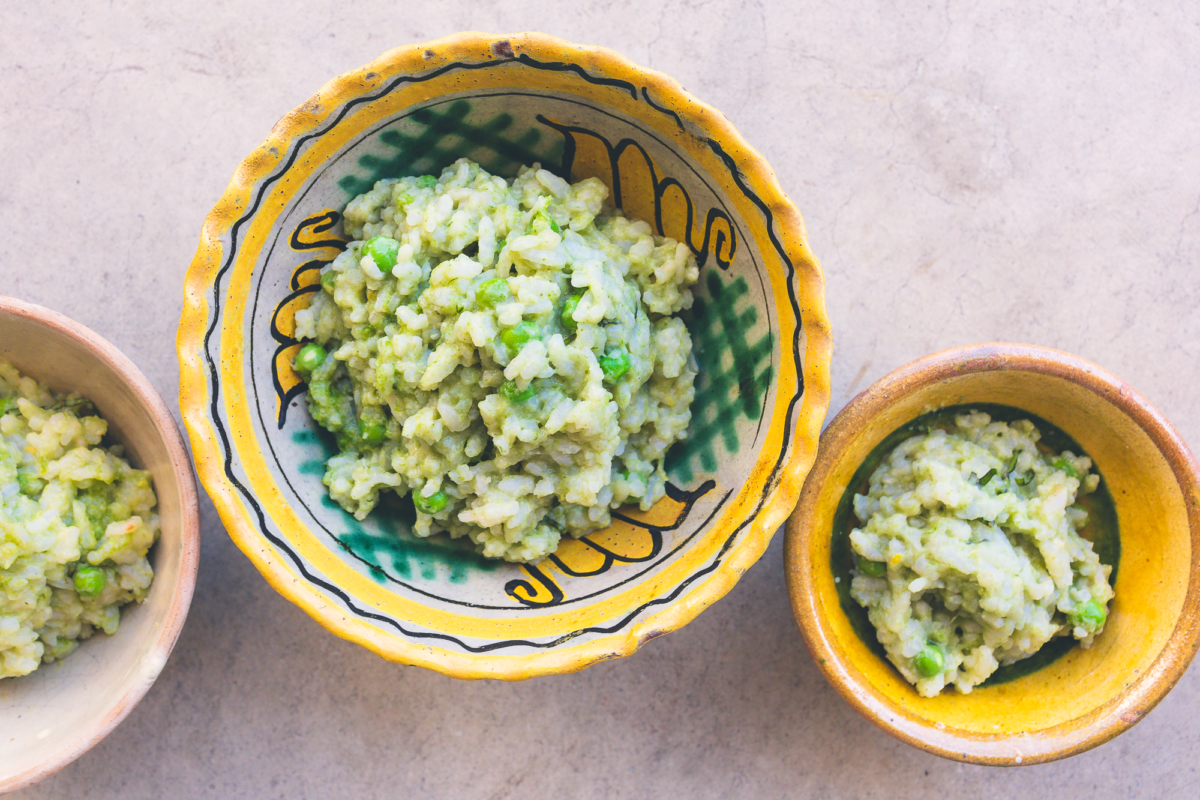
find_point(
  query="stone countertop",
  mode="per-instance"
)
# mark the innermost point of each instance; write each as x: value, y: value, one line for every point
x: 968, y: 172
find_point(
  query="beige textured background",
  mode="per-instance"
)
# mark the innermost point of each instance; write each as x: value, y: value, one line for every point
x: 969, y: 171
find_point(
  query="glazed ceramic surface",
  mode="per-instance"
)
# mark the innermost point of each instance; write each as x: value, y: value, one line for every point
x: 1084, y: 697
x: 54, y: 715
x: 758, y: 324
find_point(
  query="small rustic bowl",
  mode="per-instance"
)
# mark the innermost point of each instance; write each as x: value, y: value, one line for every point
x: 54, y: 715
x: 759, y: 326
x: 1085, y: 697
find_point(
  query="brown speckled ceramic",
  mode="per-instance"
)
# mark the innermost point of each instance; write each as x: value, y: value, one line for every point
x: 1086, y: 697
x: 53, y: 716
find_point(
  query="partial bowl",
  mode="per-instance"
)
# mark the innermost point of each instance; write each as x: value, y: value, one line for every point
x: 1083, y: 697
x: 55, y: 714
x: 759, y: 324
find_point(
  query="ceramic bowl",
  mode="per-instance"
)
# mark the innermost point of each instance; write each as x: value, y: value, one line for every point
x: 1082, y: 697
x: 52, y: 716
x: 759, y: 326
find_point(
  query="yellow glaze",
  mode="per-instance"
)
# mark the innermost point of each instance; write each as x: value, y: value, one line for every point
x: 688, y: 128
x: 1087, y: 696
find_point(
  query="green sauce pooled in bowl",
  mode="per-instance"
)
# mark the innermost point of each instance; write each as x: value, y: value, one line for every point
x: 969, y: 560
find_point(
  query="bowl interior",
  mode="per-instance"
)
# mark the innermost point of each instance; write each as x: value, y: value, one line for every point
x: 1084, y: 696
x: 375, y: 582
x: 59, y: 711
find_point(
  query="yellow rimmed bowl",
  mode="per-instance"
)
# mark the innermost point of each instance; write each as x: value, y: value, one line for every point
x: 1069, y: 699
x: 58, y: 712
x: 759, y: 325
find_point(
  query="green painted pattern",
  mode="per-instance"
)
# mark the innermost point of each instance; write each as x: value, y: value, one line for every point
x: 447, y: 134
x: 394, y: 552
x: 309, y: 439
x: 735, y: 374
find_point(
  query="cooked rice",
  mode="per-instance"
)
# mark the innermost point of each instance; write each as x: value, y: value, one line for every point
x: 71, y: 511
x: 984, y: 563
x: 420, y: 349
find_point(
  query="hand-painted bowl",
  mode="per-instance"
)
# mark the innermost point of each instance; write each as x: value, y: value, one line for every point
x: 55, y: 714
x: 758, y: 324
x: 1065, y: 699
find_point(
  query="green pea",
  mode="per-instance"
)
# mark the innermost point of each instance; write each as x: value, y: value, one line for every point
x: 492, y: 292
x: 614, y: 365
x: 7, y: 405
x: 513, y: 393
x: 89, y: 581
x: 372, y: 428
x: 383, y: 251
x: 518, y: 335
x: 311, y: 356
x: 432, y: 504
x: 930, y: 661
x: 568, y: 312
x: 328, y: 280
x: 872, y: 569
x: 427, y: 181
x: 1090, y: 616
x: 404, y: 200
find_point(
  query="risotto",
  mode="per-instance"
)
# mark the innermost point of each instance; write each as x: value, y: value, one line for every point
x: 76, y: 522
x: 508, y: 353
x: 970, y: 556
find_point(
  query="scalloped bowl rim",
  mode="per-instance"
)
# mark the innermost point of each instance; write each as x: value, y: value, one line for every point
x: 813, y: 323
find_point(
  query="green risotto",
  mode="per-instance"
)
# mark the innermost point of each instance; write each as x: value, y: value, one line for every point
x: 76, y: 522
x: 969, y: 556
x: 507, y: 352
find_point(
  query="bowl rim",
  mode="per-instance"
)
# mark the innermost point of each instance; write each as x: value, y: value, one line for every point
x: 812, y: 323
x: 86, y: 737
x: 1111, y: 719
